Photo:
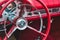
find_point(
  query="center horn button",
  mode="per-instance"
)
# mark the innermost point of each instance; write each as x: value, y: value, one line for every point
x: 21, y: 24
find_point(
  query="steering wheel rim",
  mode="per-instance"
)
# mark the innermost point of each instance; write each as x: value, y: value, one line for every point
x: 48, y: 16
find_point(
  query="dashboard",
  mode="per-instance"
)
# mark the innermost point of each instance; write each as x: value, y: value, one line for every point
x: 53, y: 5
x: 49, y: 3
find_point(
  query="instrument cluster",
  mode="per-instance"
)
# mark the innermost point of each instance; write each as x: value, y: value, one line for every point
x: 12, y: 11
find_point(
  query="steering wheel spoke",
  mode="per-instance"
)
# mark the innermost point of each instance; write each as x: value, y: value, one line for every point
x: 35, y: 30
x: 25, y: 10
x: 11, y: 31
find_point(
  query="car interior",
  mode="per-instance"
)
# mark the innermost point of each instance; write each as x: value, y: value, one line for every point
x: 29, y: 19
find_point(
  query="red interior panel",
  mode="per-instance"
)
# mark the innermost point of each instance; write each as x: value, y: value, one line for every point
x: 49, y: 3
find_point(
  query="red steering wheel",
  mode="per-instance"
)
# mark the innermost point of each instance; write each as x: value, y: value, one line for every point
x: 19, y: 20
